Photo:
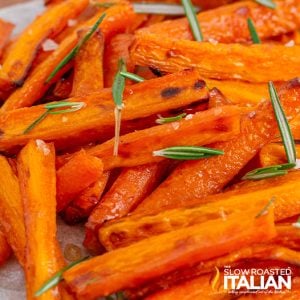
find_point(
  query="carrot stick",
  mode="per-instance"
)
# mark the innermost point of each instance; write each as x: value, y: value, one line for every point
x: 6, y: 85
x: 191, y: 181
x: 63, y: 87
x: 136, y: 148
x: 128, y: 230
x: 116, y: 49
x: 50, y: 23
x: 11, y: 210
x: 172, y: 55
x: 117, y: 19
x: 274, y: 154
x: 96, y: 120
x: 149, y: 259
x: 88, y: 66
x: 36, y: 169
x: 5, y: 250
x: 6, y: 29
x: 82, y: 206
x: 76, y: 175
x: 228, y: 24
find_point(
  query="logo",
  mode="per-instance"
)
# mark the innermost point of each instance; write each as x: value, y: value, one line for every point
x: 252, y: 280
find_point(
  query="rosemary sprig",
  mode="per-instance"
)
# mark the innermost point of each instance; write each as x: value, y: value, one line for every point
x: 266, y: 208
x: 153, y: 8
x: 57, y: 278
x: 267, y: 3
x: 76, y: 49
x: 187, y: 152
x: 162, y: 120
x: 269, y: 172
x: 117, y: 91
x: 254, y: 35
x: 193, y: 21
x: 117, y: 296
x: 285, y: 130
x: 132, y: 76
x: 51, y: 109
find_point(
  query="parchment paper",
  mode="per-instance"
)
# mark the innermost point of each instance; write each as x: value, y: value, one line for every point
x: 11, y: 274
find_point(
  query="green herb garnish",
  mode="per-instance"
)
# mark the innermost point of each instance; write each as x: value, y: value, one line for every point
x: 267, y: 3
x: 162, y: 120
x: 265, y: 210
x: 57, y: 278
x: 117, y: 91
x: 269, y: 172
x: 254, y: 35
x: 153, y: 8
x: 132, y: 76
x: 187, y: 152
x: 52, y: 109
x: 76, y: 49
x: 193, y: 20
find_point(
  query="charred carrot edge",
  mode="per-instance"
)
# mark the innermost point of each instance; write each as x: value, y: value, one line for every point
x: 128, y: 230
x: 117, y: 19
x: 149, y: 259
x: 36, y: 169
x: 5, y: 249
x: 20, y: 57
x: 88, y: 66
x: 11, y: 210
x: 136, y: 148
x: 117, y: 48
x: 96, y: 120
x: 76, y: 175
x: 228, y: 24
x: 63, y: 88
x: 199, y: 180
x: 274, y: 154
x: 131, y: 186
x: 173, y: 55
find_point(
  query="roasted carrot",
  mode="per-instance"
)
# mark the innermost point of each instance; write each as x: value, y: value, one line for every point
x: 217, y: 99
x: 6, y: 85
x: 172, y: 55
x: 274, y: 154
x: 228, y: 24
x: 36, y: 169
x: 88, y: 66
x: 146, y: 260
x: 82, y: 206
x: 117, y: 48
x: 11, y: 210
x: 63, y: 87
x: 136, y: 148
x: 130, y: 188
x: 5, y: 249
x: 19, y: 60
x: 194, y: 180
x: 117, y: 19
x: 6, y: 29
x: 96, y: 120
x: 76, y: 175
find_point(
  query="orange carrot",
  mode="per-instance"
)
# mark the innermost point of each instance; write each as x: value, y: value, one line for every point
x: 6, y: 29
x: 82, y: 206
x: 117, y: 19
x: 172, y: 55
x: 194, y: 180
x: 63, y: 87
x: 5, y: 250
x: 133, y: 228
x: 88, y: 66
x: 96, y: 120
x: 117, y: 48
x: 149, y: 259
x: 36, y: 169
x: 50, y: 23
x: 136, y: 148
x: 228, y: 24
x: 76, y: 175
x: 11, y: 210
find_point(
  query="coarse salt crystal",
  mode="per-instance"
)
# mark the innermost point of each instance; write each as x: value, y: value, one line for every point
x: 189, y: 117
x: 72, y: 22
x: 291, y: 43
x: 49, y: 45
x: 42, y: 146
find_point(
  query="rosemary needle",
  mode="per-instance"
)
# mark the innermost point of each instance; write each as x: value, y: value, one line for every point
x: 132, y: 76
x: 162, y: 120
x: 254, y: 35
x: 267, y: 3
